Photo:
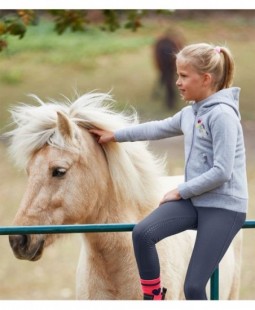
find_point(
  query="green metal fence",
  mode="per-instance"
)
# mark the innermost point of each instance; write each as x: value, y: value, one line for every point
x: 215, y: 277
x: 98, y: 228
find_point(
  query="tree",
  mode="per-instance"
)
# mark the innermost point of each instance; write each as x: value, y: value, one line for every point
x: 16, y: 22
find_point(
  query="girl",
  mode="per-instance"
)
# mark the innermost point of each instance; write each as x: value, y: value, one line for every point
x: 213, y: 198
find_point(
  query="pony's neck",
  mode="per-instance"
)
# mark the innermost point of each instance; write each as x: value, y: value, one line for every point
x: 115, y: 211
x: 111, y: 263
x: 101, y: 248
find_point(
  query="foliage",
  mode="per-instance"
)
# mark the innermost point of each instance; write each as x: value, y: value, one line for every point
x: 16, y: 23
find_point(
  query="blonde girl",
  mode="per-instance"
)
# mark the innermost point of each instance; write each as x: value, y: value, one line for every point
x: 213, y: 198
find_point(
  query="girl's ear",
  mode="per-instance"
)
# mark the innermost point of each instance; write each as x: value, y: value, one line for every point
x: 207, y: 79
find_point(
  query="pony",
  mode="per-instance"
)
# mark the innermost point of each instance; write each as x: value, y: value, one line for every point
x: 74, y: 180
x: 164, y: 51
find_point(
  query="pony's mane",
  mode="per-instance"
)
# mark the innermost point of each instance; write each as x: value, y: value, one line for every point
x: 36, y: 125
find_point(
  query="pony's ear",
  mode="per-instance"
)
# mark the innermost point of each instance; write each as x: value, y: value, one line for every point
x: 65, y: 127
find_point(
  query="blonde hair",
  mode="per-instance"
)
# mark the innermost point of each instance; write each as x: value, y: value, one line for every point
x: 207, y: 58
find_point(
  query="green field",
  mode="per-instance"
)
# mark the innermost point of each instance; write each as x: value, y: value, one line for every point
x: 50, y: 66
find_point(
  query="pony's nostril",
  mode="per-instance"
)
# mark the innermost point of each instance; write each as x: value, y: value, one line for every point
x: 23, y: 240
x: 18, y: 241
x: 24, y: 248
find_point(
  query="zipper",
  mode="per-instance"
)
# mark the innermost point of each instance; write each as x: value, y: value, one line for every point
x: 192, y: 142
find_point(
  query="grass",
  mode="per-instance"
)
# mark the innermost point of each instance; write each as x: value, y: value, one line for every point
x: 50, y: 65
x: 74, y: 47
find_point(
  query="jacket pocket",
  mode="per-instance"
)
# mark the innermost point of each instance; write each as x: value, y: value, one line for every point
x: 206, y: 164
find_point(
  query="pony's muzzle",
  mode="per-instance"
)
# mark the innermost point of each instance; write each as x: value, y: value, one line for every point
x: 23, y: 248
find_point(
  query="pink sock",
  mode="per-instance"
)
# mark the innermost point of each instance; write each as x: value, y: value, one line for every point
x: 152, y: 287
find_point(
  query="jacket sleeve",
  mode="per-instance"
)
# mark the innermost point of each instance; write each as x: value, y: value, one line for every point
x: 224, y: 131
x: 153, y: 130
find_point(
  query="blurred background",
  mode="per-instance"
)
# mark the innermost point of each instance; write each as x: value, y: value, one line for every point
x: 52, y: 54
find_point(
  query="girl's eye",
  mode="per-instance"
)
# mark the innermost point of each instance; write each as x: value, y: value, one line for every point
x: 58, y: 172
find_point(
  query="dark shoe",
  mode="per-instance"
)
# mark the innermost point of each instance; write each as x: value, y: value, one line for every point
x: 151, y: 297
x: 163, y: 294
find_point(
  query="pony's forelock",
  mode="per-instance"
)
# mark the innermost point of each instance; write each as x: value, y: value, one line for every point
x: 36, y: 126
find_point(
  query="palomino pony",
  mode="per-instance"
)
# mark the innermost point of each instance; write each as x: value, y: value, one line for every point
x: 74, y: 180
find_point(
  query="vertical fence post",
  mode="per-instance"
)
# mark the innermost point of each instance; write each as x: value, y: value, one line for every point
x: 215, y: 285
x: 215, y: 276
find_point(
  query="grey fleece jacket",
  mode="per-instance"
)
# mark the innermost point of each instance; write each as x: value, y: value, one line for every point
x: 215, y: 163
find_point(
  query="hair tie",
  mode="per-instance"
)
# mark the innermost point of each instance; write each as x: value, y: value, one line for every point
x: 217, y: 49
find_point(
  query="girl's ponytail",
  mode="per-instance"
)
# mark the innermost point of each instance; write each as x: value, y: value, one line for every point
x: 228, y: 68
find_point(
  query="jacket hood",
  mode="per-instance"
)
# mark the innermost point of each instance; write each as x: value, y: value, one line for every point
x: 228, y: 96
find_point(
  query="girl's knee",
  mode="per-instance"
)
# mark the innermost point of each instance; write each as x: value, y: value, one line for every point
x: 194, y: 291
x: 142, y: 234
x: 138, y: 232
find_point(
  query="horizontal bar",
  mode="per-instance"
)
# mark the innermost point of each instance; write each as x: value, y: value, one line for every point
x: 65, y: 229
x: 89, y: 228
x: 84, y: 228
x: 249, y: 224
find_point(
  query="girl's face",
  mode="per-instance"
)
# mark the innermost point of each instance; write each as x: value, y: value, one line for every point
x: 192, y: 85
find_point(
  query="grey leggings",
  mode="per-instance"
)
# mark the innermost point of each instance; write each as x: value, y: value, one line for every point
x: 215, y: 227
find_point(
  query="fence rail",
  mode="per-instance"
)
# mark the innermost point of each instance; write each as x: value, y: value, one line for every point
x: 99, y: 228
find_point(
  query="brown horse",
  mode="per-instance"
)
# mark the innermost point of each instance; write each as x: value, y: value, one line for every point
x: 164, y: 51
x: 72, y: 179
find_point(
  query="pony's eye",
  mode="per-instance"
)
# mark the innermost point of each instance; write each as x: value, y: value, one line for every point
x: 58, y: 172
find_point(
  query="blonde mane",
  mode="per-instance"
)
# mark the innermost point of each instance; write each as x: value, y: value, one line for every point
x: 36, y: 126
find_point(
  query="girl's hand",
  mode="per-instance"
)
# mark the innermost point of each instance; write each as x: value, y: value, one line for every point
x: 171, y: 195
x: 103, y: 136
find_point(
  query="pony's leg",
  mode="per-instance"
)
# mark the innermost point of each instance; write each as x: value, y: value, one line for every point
x: 237, y: 246
x: 215, y: 231
x: 168, y: 219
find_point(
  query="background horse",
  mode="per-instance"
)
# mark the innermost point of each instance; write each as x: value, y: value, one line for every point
x: 164, y: 51
x: 72, y: 179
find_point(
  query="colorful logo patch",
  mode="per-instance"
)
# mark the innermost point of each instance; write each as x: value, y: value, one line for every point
x: 201, y: 128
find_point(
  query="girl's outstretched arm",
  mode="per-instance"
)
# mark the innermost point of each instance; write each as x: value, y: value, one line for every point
x: 103, y: 136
